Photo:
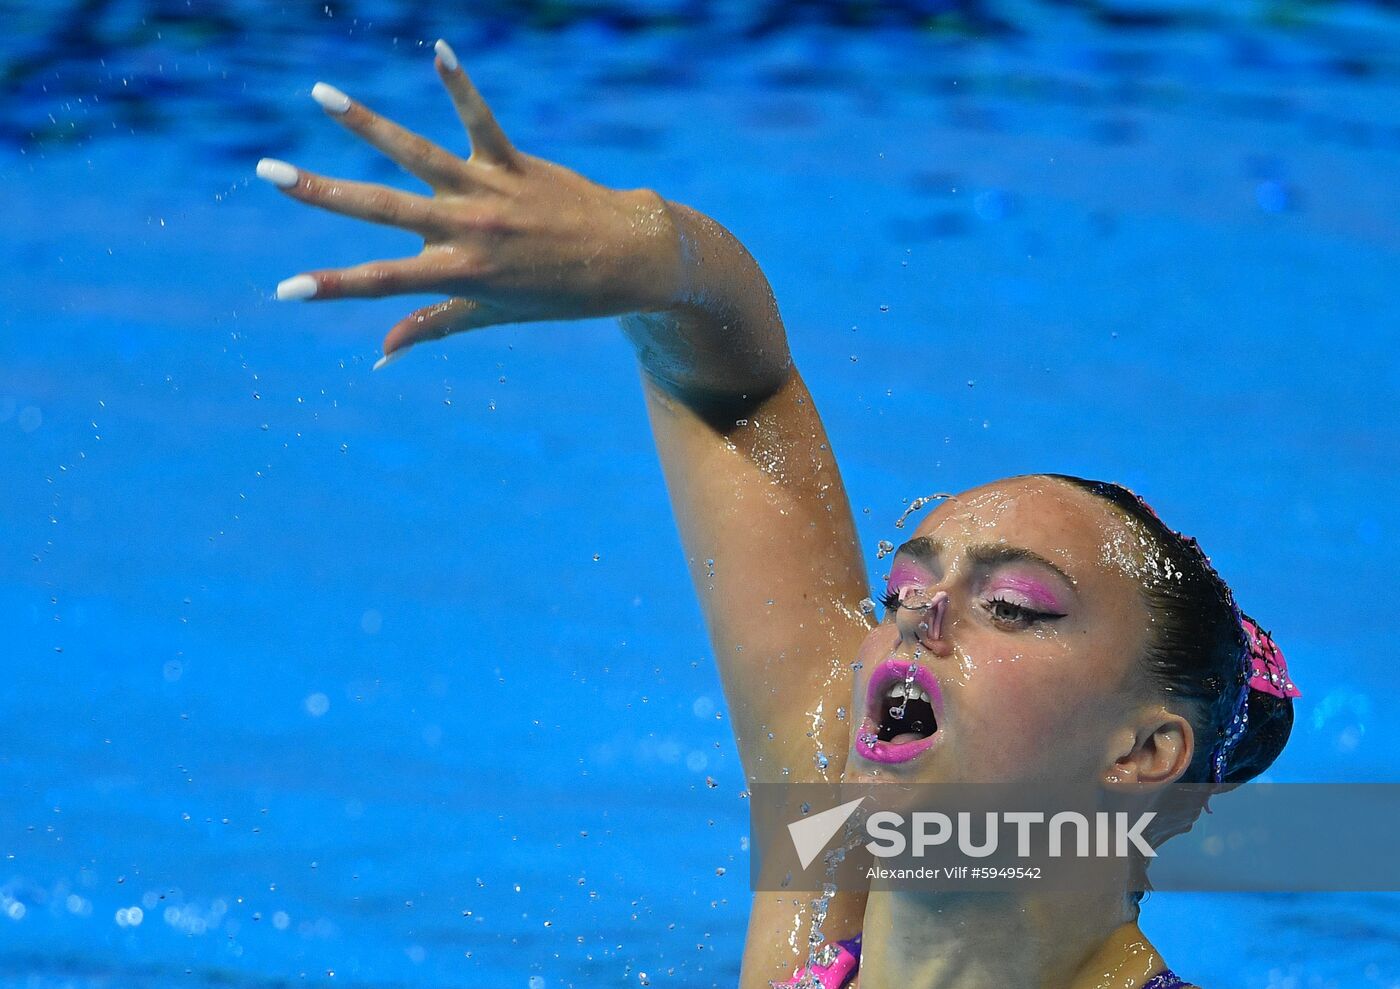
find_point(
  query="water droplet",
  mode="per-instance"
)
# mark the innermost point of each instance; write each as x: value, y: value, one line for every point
x: 917, y: 504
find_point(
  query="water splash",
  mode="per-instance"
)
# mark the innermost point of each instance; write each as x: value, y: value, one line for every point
x: 919, y: 503
x: 897, y: 712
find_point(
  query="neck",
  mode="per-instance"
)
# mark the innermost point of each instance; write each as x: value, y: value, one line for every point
x: 950, y: 940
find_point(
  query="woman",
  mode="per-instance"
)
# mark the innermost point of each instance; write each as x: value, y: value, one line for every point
x: 1016, y: 609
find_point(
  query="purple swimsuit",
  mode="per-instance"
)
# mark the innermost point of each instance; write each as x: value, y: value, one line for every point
x: 1166, y: 980
x: 837, y: 964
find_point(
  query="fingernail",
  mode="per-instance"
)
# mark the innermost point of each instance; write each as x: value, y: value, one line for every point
x: 331, y: 99
x: 279, y: 173
x: 389, y: 358
x: 448, y: 56
x: 296, y: 287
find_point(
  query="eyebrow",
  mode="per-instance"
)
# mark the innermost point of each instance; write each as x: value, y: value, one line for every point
x: 992, y: 554
x: 925, y: 551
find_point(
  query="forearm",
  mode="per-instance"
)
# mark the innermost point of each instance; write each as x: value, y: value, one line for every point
x: 720, y: 345
x: 759, y: 503
x: 768, y: 534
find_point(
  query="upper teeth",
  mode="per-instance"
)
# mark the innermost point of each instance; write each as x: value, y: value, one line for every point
x: 912, y: 691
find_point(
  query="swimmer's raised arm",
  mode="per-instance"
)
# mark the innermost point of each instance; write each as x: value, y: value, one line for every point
x: 762, y: 511
x: 514, y: 238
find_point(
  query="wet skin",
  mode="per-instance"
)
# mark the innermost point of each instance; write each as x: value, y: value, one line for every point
x: 1037, y: 657
x: 1029, y: 638
x: 756, y: 493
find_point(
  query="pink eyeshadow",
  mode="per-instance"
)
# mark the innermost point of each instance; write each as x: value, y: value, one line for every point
x: 905, y: 572
x: 1040, y: 596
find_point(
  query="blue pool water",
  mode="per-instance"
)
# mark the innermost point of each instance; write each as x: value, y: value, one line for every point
x: 399, y: 676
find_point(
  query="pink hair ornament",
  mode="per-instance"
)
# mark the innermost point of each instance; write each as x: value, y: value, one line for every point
x: 1268, y: 671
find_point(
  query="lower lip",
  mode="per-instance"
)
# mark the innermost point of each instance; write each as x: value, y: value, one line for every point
x: 873, y: 750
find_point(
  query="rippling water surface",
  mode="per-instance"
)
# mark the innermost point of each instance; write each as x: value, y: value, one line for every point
x: 318, y: 676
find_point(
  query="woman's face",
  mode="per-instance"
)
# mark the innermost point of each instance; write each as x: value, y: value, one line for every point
x: 1017, y: 642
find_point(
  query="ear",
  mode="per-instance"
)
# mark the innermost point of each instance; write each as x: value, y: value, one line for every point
x: 1156, y: 751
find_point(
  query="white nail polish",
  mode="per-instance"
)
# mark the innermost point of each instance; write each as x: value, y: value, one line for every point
x: 448, y: 56
x: 296, y: 287
x: 331, y: 99
x: 279, y: 173
x: 388, y: 359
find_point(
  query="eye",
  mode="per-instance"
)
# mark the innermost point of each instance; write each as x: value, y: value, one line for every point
x: 1013, y: 613
x: 893, y: 597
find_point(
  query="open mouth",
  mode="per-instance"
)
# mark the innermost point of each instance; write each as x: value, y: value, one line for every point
x: 901, y: 717
x: 906, y: 715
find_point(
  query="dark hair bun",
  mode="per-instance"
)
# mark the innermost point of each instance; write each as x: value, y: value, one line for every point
x: 1198, y: 652
x: 1270, y: 721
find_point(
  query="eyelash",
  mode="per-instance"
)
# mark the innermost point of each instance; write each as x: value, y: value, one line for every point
x: 1022, y: 613
x: 890, y: 600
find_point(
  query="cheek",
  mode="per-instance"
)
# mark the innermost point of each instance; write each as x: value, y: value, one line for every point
x: 1020, y: 697
x: 1022, y: 707
x: 878, y: 644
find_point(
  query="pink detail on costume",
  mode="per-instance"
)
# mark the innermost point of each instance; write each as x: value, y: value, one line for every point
x: 836, y: 965
x: 1267, y: 670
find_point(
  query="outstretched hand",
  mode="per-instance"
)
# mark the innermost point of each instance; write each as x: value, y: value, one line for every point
x: 510, y: 237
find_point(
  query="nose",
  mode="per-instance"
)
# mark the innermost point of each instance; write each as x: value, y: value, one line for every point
x: 921, y: 619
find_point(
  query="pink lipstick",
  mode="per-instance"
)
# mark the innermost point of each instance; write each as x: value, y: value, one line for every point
x: 903, y: 706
